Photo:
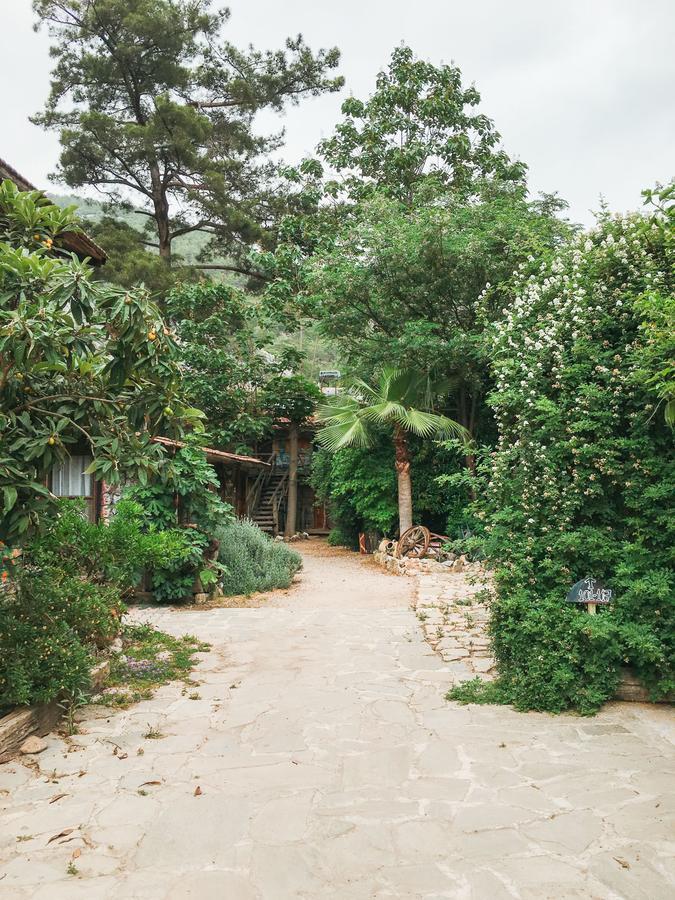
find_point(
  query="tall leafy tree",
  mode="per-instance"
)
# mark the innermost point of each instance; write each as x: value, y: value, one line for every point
x: 420, y: 130
x: 417, y: 283
x: 227, y: 371
x: 151, y: 102
x: 430, y: 218
x: 82, y: 364
x: 400, y: 401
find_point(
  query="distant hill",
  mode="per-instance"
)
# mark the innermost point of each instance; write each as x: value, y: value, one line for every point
x: 188, y: 245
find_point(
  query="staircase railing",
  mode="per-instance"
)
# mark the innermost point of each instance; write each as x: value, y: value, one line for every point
x: 279, y: 495
x: 256, y: 489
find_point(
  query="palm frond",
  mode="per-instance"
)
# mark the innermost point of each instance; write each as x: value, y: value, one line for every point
x: 408, y: 387
x: 354, y: 433
x: 336, y: 409
x: 361, y: 390
x: 383, y: 412
x: 431, y: 425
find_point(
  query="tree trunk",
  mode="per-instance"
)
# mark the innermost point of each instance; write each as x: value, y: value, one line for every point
x: 292, y: 507
x: 161, y: 205
x: 405, y: 507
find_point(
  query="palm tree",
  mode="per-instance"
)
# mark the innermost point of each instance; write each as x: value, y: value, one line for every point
x: 401, y: 400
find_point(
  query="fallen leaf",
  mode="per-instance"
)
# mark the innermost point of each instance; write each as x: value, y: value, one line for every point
x: 77, y: 852
x: 198, y: 791
x: 122, y: 755
x: 64, y: 833
x: 149, y: 782
x: 622, y: 862
x: 57, y: 797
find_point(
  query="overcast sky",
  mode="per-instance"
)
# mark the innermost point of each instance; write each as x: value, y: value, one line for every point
x: 581, y: 90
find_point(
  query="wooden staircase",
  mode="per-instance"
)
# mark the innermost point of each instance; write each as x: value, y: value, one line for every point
x: 271, y: 501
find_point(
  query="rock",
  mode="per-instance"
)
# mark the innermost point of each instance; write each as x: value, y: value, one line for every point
x: 165, y: 655
x: 279, y: 539
x: 200, y: 597
x: 294, y: 537
x: 33, y: 744
x: 458, y: 565
x: 116, y: 646
x: 305, y: 536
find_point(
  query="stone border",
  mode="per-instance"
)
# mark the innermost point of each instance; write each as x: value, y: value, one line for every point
x: 40, y: 719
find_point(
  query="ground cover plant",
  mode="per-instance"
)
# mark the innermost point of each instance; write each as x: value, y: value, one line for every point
x: 582, y: 478
x: 252, y: 561
x: 147, y: 659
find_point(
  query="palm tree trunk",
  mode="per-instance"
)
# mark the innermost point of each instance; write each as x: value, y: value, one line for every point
x: 405, y: 507
x: 292, y: 508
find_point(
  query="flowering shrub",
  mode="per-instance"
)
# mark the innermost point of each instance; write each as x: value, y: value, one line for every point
x: 581, y: 478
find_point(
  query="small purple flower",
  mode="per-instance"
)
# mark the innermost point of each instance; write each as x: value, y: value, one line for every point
x: 145, y: 667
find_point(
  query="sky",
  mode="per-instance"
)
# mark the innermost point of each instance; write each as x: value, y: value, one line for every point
x: 583, y: 91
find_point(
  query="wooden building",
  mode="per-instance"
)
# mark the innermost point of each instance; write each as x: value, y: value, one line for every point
x: 237, y: 475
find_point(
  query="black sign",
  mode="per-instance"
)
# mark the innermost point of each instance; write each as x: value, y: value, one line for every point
x: 590, y: 590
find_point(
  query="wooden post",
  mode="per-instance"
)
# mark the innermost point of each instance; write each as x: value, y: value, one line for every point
x: 592, y: 608
x: 292, y: 507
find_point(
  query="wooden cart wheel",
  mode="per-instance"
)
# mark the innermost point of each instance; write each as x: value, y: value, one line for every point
x: 414, y: 542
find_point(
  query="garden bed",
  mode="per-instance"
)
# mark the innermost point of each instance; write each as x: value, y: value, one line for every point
x: 19, y: 724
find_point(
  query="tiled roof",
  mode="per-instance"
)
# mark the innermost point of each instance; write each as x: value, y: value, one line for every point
x: 215, y: 455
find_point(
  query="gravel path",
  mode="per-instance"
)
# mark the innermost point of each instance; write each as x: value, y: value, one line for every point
x: 321, y: 761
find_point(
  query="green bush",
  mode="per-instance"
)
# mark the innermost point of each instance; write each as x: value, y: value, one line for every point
x: 252, y: 561
x: 184, y: 507
x: 359, y: 486
x: 62, y: 601
x: 173, y: 577
x: 118, y: 552
x: 582, y: 478
x: 51, y: 624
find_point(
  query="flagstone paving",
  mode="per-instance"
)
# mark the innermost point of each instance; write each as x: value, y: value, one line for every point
x: 321, y: 761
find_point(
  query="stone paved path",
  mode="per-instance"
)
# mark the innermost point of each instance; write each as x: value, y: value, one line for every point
x: 330, y: 766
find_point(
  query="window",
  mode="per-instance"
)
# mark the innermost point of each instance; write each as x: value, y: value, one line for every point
x: 70, y: 480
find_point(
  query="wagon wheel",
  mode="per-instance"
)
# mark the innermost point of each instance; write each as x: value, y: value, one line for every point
x: 414, y: 542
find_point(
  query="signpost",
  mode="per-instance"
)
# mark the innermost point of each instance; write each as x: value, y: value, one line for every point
x: 591, y: 592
